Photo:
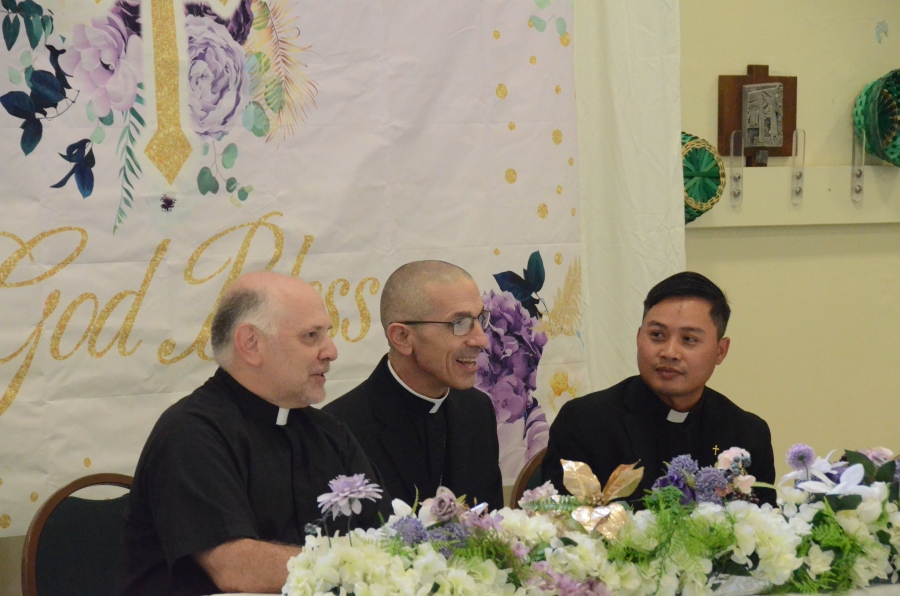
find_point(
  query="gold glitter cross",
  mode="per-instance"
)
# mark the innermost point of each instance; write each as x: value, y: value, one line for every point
x: 168, y: 148
x: 716, y: 450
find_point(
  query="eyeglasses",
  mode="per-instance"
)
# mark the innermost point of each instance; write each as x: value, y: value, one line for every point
x: 462, y: 326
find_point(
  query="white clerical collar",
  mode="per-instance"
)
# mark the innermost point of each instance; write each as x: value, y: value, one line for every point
x: 436, y: 401
x: 282, y: 416
x: 676, y: 416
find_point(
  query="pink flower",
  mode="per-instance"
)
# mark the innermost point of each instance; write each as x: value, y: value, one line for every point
x: 878, y: 455
x: 106, y: 62
x: 744, y: 483
x: 732, y: 456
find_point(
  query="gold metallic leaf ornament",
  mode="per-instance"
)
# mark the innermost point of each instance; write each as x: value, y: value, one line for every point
x: 600, y: 514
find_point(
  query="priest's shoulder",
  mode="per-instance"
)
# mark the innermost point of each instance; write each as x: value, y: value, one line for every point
x: 605, y: 399
x: 350, y: 403
x: 210, y: 401
x: 724, y: 407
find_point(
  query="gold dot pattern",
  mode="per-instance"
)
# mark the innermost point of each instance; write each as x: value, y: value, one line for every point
x: 34, y: 497
x: 559, y: 190
x: 565, y: 39
x: 557, y: 136
x: 530, y: 24
x: 4, y: 521
x: 496, y: 34
x: 512, y: 125
x: 543, y: 211
x: 571, y: 161
x: 573, y: 211
x: 87, y: 462
x: 496, y: 251
x: 558, y: 258
x: 558, y: 89
x: 533, y: 59
x: 511, y: 176
x: 502, y: 91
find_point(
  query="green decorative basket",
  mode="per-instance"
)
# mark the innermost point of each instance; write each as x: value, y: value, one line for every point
x: 878, y: 115
x: 704, y: 176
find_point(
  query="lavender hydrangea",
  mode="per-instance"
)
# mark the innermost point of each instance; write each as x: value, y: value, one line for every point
x: 507, y: 369
x: 217, y: 79
x: 410, y: 530
x: 709, y: 485
x: 800, y: 456
x: 684, y: 465
x: 448, y: 537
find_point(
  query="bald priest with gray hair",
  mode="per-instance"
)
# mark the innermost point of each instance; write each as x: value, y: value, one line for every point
x: 229, y: 476
x: 418, y: 416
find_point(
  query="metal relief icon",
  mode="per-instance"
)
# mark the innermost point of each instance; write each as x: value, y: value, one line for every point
x: 762, y: 115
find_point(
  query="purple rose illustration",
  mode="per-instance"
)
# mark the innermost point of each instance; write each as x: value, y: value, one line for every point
x: 238, y: 25
x: 105, y: 63
x: 216, y: 75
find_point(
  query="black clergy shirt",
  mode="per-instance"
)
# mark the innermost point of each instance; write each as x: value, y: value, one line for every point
x: 627, y: 423
x: 216, y: 468
x: 417, y: 450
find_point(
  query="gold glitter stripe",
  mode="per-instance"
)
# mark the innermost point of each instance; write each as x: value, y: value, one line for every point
x: 169, y: 148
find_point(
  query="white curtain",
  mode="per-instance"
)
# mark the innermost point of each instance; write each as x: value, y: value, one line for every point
x: 627, y: 66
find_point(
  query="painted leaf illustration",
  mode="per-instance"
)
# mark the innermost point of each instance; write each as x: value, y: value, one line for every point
x: 622, y: 482
x: 565, y: 316
x: 279, y: 85
x: 515, y: 285
x: 539, y: 23
x: 535, y: 273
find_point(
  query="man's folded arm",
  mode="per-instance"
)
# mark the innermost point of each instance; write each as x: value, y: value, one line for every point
x: 247, y: 565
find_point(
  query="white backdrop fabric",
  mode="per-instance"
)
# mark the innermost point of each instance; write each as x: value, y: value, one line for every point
x: 420, y: 130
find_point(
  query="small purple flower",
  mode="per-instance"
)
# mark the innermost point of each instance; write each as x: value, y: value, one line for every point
x: 486, y: 521
x: 444, y: 506
x: 544, y: 491
x: 564, y: 585
x: 410, y: 530
x: 449, y: 536
x: 678, y: 481
x: 520, y: 549
x: 800, y: 456
x: 710, y: 485
x: 685, y: 465
x: 346, y: 494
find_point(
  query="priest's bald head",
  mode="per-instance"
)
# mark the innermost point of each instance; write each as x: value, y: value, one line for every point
x: 270, y: 332
x: 433, y: 317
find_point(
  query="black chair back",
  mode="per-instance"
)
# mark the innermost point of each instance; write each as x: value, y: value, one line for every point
x: 74, y: 545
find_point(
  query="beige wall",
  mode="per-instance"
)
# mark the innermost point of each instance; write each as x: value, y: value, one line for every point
x: 816, y: 308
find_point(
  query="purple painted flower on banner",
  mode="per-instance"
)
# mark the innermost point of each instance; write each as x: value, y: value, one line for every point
x: 218, y: 81
x: 238, y: 25
x: 130, y: 13
x: 105, y: 62
x: 507, y: 369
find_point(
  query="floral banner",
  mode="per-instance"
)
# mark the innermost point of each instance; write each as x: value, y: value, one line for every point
x: 152, y: 151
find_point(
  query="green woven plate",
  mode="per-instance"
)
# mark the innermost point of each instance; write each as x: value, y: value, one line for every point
x: 877, y: 113
x: 704, y: 176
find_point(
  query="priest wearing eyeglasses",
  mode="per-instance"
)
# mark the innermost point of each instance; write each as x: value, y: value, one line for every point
x: 417, y: 416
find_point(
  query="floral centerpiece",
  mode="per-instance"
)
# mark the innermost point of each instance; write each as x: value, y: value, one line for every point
x: 701, y: 532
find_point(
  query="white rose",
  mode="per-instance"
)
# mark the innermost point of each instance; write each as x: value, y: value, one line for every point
x: 818, y: 561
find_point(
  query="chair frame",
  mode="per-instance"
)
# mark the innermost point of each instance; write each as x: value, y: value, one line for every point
x: 524, y: 476
x: 33, y: 536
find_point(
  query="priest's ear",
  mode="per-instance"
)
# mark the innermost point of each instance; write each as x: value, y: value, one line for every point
x: 248, y: 344
x: 399, y: 337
